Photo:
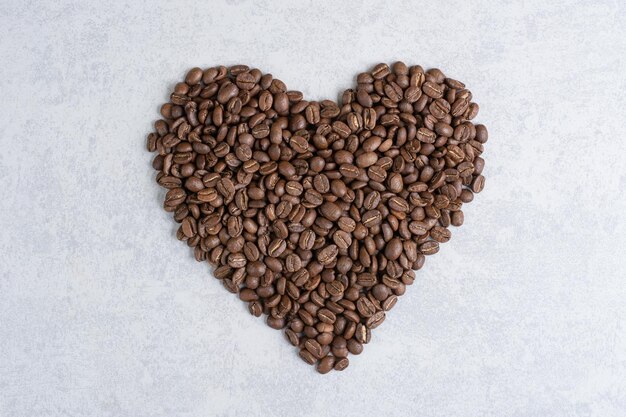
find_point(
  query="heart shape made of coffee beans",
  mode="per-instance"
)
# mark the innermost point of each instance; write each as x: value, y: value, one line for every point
x: 317, y: 214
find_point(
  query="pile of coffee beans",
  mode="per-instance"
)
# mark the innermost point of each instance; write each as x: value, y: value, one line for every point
x: 315, y: 213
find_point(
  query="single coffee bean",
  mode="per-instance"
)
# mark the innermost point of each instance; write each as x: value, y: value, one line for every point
x: 355, y: 347
x: 365, y: 307
x: 326, y: 365
x: 375, y: 320
x: 341, y: 364
x: 326, y: 316
x: 366, y: 279
x: 478, y: 184
x: 331, y: 211
x: 366, y: 159
x: 381, y: 292
x: 307, y: 356
x: 372, y: 218
x: 314, y: 347
x: 328, y: 254
x: 389, y: 303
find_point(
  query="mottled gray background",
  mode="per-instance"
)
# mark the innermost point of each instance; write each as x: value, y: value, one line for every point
x: 103, y: 313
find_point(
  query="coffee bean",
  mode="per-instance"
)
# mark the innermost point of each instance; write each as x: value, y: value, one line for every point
x: 293, y: 263
x: 366, y: 159
x: 321, y: 183
x: 347, y: 224
x: 349, y: 170
x: 307, y: 356
x: 328, y: 254
x: 362, y: 334
x: 440, y: 234
x: 331, y: 211
x: 326, y: 365
x: 375, y: 320
x: 399, y: 204
x: 389, y: 303
x: 276, y: 247
x: 478, y: 184
x: 418, y: 228
x: 380, y: 292
x: 372, y: 218
x: 174, y: 197
x: 365, y: 307
x: 294, y: 188
x: 314, y: 347
x: 326, y: 316
x: 429, y: 248
x: 366, y: 279
x: 292, y: 337
x: 380, y: 71
x: 335, y: 288
x: 432, y: 89
x: 354, y: 347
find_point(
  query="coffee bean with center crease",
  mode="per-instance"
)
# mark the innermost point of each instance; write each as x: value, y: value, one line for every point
x: 316, y: 213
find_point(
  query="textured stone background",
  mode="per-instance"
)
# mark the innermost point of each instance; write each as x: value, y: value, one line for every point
x: 103, y: 313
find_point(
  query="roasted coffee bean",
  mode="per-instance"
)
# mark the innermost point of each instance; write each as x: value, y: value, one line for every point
x: 328, y: 254
x: 317, y: 213
x: 375, y: 320
x: 363, y: 334
x: 314, y: 347
x: 366, y: 279
x: 372, y: 218
x: 326, y: 316
x: 365, y: 307
x: 307, y: 356
x: 381, y: 292
x: 341, y: 364
x: 355, y: 347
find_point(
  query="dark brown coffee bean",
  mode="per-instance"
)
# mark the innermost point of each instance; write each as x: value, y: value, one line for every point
x: 326, y: 316
x: 342, y: 239
x: 393, y: 249
x: 349, y: 170
x: 362, y: 334
x: 314, y: 348
x: 193, y: 76
x: 307, y: 356
x: 334, y: 288
x: 326, y: 365
x: 478, y: 184
x: 440, y: 234
x: 389, y: 303
x: 174, y: 197
x: 365, y: 307
x: 276, y: 247
x: 328, y: 254
x: 366, y: 279
x: 294, y: 188
x: 381, y: 292
x: 398, y: 203
x: 375, y: 320
x: 292, y: 337
x: 366, y: 159
x: 355, y: 347
x: 430, y: 247
x: 432, y: 89
x: 331, y: 211
x: 372, y: 218
x: 380, y: 71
